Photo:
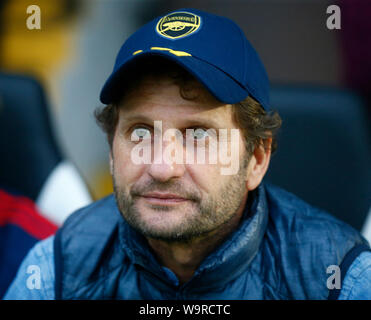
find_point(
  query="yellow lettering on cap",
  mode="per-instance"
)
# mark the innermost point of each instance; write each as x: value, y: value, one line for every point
x: 136, y: 52
x: 174, y: 52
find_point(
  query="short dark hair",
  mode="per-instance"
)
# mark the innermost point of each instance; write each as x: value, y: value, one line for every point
x: 256, y: 124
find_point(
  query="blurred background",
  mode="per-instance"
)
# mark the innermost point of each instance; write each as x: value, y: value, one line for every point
x: 74, y: 51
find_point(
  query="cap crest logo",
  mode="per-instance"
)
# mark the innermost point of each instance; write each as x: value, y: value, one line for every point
x: 178, y: 25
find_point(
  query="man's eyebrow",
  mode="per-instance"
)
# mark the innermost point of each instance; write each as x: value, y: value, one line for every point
x: 183, y: 123
x: 136, y: 118
x: 199, y: 122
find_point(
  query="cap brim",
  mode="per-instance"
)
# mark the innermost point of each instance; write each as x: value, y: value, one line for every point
x: 221, y: 86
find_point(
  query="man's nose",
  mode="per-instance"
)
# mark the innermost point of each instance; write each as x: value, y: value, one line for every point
x: 164, y: 166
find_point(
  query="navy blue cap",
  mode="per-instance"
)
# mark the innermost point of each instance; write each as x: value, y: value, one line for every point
x: 212, y: 48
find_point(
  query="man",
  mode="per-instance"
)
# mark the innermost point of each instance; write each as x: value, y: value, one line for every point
x: 186, y: 222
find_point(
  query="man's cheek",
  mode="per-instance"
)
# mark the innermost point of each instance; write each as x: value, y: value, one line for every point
x: 206, y: 178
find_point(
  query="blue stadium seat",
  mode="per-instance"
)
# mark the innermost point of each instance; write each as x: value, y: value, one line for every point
x: 324, y: 149
x: 31, y: 163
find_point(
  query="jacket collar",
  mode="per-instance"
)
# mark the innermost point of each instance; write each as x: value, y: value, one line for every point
x: 228, y: 261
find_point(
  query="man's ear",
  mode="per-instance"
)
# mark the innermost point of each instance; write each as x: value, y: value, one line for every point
x: 111, y: 162
x: 258, y: 164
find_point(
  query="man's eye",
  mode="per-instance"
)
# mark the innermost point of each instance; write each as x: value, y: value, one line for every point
x: 199, y: 134
x: 141, y: 133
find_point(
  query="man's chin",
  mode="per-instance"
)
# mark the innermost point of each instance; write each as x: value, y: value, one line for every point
x: 163, y: 219
x: 166, y: 225
x: 168, y: 234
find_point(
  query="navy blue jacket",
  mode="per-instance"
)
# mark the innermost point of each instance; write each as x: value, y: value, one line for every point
x: 281, y: 250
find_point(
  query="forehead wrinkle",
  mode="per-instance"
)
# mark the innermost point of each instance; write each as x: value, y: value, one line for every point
x: 147, y: 99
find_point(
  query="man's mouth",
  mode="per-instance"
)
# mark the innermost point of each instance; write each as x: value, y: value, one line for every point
x: 158, y: 198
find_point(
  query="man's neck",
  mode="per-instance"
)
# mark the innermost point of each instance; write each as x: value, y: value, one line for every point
x: 184, y: 258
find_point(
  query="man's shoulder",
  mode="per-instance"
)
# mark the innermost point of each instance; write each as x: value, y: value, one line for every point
x: 303, y: 228
x: 357, y: 282
x: 35, y: 276
x: 307, y: 239
x: 289, y: 210
x: 89, y: 228
x: 95, y: 218
x: 84, y: 239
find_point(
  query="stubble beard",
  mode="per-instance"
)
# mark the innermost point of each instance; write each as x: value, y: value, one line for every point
x: 208, y: 213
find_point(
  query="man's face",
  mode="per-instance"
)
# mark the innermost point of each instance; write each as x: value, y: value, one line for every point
x: 168, y: 200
